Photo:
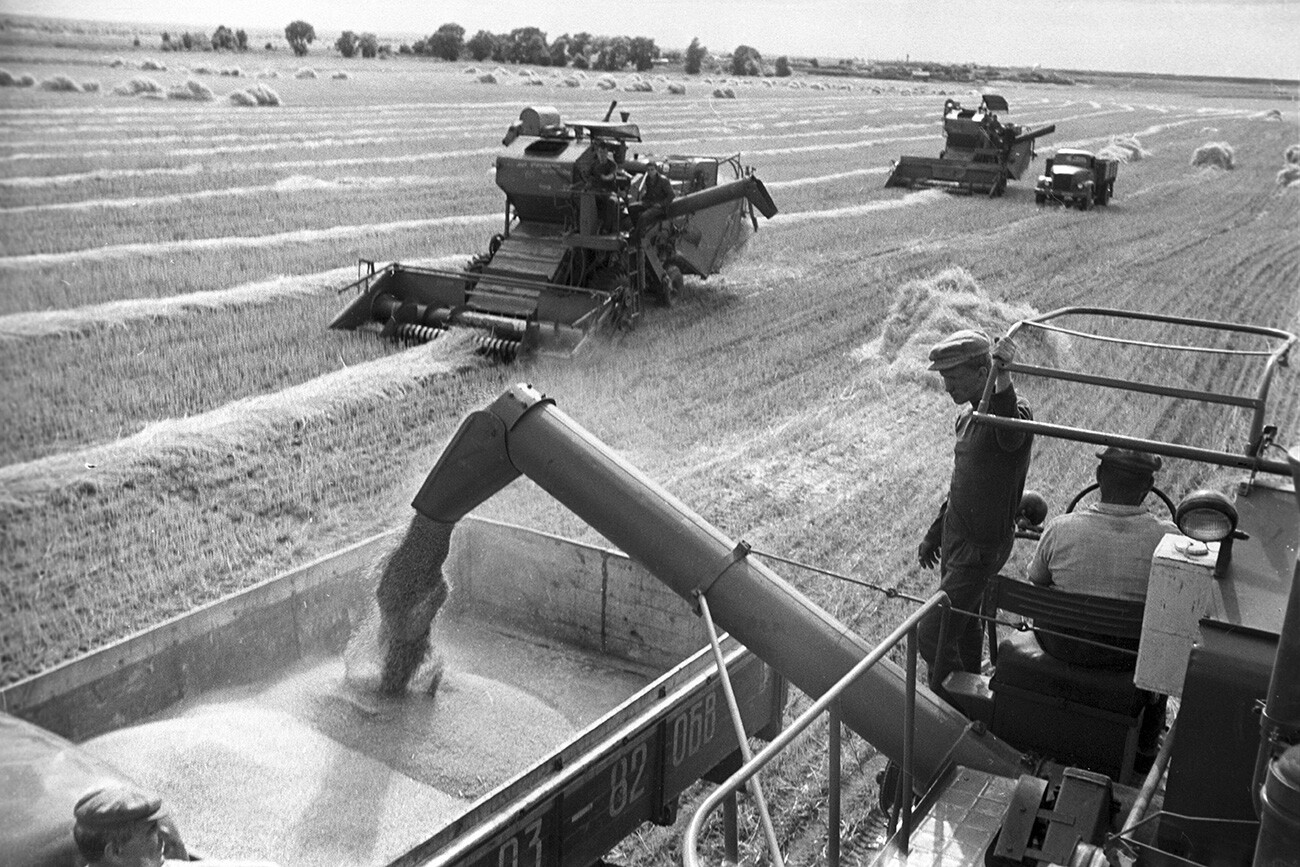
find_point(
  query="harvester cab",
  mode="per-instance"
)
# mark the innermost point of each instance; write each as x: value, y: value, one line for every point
x: 981, y: 153
x: 591, y: 231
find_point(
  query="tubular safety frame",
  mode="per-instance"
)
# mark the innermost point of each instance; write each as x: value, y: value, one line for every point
x: 1250, y: 459
x: 828, y: 702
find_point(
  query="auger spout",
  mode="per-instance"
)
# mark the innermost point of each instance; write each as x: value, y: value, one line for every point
x: 523, y: 432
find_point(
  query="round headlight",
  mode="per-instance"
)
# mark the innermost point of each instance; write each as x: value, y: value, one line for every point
x: 1207, y: 516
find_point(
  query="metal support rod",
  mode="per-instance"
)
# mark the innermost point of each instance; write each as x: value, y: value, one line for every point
x: 833, y: 805
x: 730, y: 831
x: 755, y: 788
x: 909, y: 738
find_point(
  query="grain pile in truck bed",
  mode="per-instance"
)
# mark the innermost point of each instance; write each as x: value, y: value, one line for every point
x: 301, y: 772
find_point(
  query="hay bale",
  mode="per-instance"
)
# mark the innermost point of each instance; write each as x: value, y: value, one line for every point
x: 232, y: 72
x: 90, y: 86
x: 927, y: 309
x: 1289, y: 176
x: 639, y: 87
x: 1216, y: 154
x: 470, y: 70
x: 25, y: 80
x: 204, y: 70
x: 149, y: 65
x: 1126, y: 149
x: 339, y: 75
x: 139, y: 87
x: 265, y: 96
x: 487, y: 78
x: 1292, y: 155
x: 606, y: 84
x: 572, y: 81
x: 305, y: 72
x: 116, y: 63
x: 242, y: 97
x: 61, y: 84
x: 193, y: 90
x: 677, y: 88
x: 268, y: 73
x: 7, y: 79
x: 1273, y: 114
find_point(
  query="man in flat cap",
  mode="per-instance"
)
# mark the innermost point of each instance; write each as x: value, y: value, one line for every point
x: 119, y: 826
x: 973, y: 535
x: 123, y: 826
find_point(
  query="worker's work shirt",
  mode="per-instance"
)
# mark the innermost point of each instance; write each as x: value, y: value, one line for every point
x: 988, y: 475
x: 1103, y: 550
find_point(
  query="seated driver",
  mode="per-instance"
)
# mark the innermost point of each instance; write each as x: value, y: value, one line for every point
x: 1106, y: 550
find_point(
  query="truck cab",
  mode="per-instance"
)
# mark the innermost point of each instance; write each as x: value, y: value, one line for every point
x: 1078, y: 177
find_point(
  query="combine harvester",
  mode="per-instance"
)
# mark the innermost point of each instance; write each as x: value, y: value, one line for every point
x: 974, y: 788
x: 591, y: 232
x: 981, y: 153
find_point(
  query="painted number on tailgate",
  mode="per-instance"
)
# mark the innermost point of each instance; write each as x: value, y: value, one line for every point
x: 627, y: 779
x: 694, y: 727
x: 522, y: 850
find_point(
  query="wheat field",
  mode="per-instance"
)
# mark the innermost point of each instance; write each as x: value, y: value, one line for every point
x: 176, y: 422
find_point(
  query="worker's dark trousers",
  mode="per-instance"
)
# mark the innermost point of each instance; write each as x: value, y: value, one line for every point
x: 966, y: 569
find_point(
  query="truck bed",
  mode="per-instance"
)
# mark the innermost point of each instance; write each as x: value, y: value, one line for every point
x: 304, y: 769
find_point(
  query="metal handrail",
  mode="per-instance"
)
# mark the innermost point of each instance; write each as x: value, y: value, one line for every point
x: 1277, y: 356
x: 828, y: 701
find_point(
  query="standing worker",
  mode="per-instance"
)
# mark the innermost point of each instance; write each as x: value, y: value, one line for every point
x: 972, y: 536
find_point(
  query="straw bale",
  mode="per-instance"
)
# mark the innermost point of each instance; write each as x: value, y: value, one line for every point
x: 117, y: 63
x: 677, y: 88
x: 204, y: 70
x: 139, y: 86
x: 305, y: 72
x: 927, y: 309
x: 192, y: 90
x: 90, y: 86
x: 487, y: 78
x: 1292, y: 155
x: 1215, y: 154
x: 1289, y: 176
x: 242, y: 97
x: 571, y: 81
x: 340, y: 75
x: 61, y: 84
x: 150, y: 65
x: 232, y: 72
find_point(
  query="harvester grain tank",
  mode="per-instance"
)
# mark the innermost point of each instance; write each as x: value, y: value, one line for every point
x: 591, y: 233
x: 981, y: 153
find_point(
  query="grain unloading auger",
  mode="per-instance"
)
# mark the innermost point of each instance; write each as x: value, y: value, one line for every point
x: 590, y: 233
x: 981, y: 153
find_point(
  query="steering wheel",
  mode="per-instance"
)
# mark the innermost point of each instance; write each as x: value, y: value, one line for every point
x: 1169, y: 504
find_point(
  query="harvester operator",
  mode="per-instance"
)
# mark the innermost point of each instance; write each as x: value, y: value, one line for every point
x: 973, y: 535
x: 1106, y: 550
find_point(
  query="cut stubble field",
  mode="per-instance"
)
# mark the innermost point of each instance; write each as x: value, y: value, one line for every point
x: 158, y: 451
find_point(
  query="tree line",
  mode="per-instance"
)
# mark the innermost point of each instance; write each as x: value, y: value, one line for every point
x: 523, y: 45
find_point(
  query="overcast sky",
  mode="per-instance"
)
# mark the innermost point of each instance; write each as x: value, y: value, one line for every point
x: 1251, y: 38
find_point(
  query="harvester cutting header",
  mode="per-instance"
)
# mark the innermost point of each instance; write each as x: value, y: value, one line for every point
x: 590, y: 232
x: 980, y: 155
